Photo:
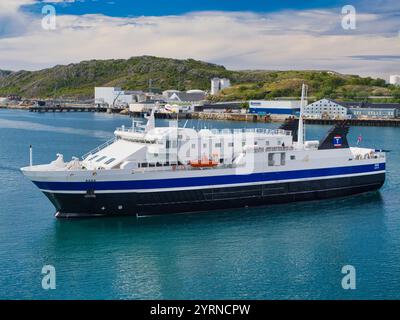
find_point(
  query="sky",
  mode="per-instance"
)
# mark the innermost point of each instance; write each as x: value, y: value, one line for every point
x: 239, y: 34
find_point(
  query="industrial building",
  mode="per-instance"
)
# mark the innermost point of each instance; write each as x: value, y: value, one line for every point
x: 220, y: 107
x: 326, y: 109
x: 281, y: 107
x: 3, y: 100
x: 190, y: 96
x: 218, y: 84
x: 395, y: 80
x: 330, y: 109
x: 114, y: 97
x: 143, y: 106
x: 373, y: 110
x: 375, y: 113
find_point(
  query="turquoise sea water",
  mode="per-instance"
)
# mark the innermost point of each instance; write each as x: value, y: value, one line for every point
x: 293, y: 251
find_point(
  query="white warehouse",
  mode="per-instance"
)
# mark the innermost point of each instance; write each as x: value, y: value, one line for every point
x: 112, y: 97
x: 326, y: 108
x: 284, y: 107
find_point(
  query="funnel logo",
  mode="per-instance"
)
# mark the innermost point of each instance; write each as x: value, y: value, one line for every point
x: 337, y: 141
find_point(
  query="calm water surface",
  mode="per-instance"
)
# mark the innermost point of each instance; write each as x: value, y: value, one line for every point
x: 293, y: 251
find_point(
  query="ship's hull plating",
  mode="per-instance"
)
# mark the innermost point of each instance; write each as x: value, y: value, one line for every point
x: 157, y: 203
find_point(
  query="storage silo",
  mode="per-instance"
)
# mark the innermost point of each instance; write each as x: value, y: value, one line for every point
x: 395, y: 80
x: 215, y: 85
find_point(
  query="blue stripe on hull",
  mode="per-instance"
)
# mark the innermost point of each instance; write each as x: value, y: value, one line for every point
x: 207, y: 181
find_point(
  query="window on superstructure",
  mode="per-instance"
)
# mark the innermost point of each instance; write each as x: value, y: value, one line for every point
x: 271, y: 161
x: 109, y: 161
x: 283, y: 158
x: 292, y: 157
x: 92, y: 158
x: 101, y: 158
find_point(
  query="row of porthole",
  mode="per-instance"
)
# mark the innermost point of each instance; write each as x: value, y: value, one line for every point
x: 120, y: 207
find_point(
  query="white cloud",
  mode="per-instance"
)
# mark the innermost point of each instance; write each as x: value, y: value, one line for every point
x: 311, y: 39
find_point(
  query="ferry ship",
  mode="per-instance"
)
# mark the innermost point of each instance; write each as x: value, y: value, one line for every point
x: 149, y: 170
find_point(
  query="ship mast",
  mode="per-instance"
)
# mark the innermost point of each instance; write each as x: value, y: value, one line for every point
x: 301, y: 132
x: 151, y: 123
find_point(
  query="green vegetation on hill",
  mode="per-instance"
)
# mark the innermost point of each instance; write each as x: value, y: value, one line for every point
x: 78, y: 80
x: 321, y: 84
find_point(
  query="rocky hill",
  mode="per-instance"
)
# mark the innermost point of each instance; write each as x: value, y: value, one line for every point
x: 78, y: 80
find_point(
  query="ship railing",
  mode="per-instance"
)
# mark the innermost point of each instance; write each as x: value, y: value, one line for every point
x: 162, y: 166
x: 221, y: 131
x: 252, y: 130
x: 97, y: 149
x: 373, y: 154
x: 130, y: 129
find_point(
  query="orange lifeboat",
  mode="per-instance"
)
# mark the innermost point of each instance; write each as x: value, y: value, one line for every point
x: 203, y: 163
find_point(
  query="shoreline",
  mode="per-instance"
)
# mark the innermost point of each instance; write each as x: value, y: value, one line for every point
x: 240, y: 117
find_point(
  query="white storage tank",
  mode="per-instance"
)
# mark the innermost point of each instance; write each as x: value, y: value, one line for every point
x: 395, y: 80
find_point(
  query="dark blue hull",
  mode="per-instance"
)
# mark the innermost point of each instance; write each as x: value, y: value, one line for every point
x: 156, y: 203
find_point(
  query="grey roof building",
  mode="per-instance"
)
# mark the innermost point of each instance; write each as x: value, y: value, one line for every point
x: 184, y: 96
x: 338, y: 109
